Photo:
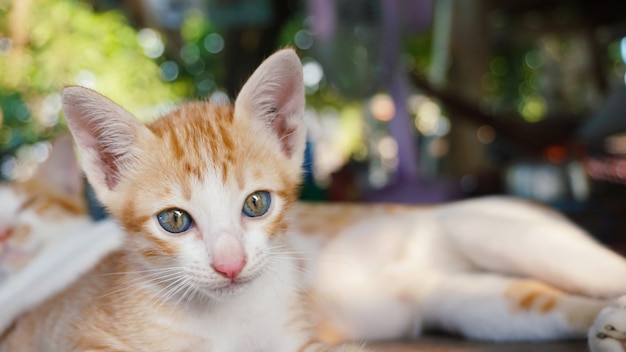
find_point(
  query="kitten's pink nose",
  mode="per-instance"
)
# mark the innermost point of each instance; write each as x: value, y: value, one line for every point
x: 230, y: 270
x: 228, y: 256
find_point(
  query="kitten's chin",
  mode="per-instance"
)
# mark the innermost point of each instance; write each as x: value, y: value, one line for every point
x: 227, y: 291
x: 231, y: 290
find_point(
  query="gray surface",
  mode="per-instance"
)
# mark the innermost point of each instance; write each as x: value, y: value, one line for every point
x: 451, y: 344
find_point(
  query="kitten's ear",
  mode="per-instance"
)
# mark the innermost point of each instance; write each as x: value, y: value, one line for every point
x: 61, y: 171
x: 274, y: 94
x: 106, y: 135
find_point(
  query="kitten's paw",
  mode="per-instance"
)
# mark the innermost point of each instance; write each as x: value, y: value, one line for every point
x: 608, y: 332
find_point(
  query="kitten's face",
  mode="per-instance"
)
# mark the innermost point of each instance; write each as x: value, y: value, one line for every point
x: 207, y: 198
x: 202, y: 191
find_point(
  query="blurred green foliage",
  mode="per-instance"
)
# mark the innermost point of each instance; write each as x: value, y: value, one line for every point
x: 58, y: 42
x: 199, y: 59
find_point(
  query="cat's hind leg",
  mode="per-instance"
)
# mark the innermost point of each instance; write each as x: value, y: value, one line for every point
x: 492, y: 307
x: 515, y: 237
x: 608, y: 332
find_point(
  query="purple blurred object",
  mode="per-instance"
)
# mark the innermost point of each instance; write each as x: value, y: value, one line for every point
x: 395, y: 18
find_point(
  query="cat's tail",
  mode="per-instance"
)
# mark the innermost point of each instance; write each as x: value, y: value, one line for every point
x: 55, y: 267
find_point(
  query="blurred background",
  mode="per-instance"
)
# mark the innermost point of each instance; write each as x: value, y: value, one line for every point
x: 414, y: 101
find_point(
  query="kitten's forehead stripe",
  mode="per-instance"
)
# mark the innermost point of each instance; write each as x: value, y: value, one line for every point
x: 198, y: 136
x: 177, y: 147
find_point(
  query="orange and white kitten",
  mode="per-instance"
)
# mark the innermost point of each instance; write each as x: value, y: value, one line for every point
x: 204, y: 195
x: 35, y: 212
x: 207, y: 197
x: 493, y: 268
x: 46, y: 236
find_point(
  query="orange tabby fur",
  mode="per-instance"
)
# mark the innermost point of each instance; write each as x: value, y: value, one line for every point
x: 37, y: 210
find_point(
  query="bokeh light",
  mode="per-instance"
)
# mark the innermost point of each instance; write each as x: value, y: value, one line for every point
x: 169, y: 71
x: 312, y: 74
x: 429, y: 121
x: 533, y: 108
x: 382, y: 107
x: 486, y: 134
x: 303, y: 39
x: 151, y: 43
x: 213, y: 43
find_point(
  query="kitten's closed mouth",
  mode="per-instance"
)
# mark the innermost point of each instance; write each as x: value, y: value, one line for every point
x: 240, y: 281
x: 235, y: 286
x: 232, y: 288
x: 235, y: 283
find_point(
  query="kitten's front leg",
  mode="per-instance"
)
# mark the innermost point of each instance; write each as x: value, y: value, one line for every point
x: 608, y: 332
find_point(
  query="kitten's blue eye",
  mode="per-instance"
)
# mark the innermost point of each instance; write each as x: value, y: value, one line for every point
x: 174, y: 220
x: 257, y: 204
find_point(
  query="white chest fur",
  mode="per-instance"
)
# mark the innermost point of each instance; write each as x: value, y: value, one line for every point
x: 262, y: 318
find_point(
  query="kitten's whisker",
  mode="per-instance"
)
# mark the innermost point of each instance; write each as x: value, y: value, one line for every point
x: 127, y: 287
x: 141, y: 281
x: 293, y: 282
x: 269, y: 284
x: 283, y: 250
x: 182, y: 286
x: 155, y: 278
x: 157, y: 300
x: 143, y: 271
x: 287, y: 256
x: 293, y: 267
x: 289, y: 262
x: 283, y: 247
x: 187, y: 285
x: 146, y: 282
x: 294, y: 254
x: 301, y: 255
x: 194, y: 291
x: 152, y: 278
x: 168, y: 291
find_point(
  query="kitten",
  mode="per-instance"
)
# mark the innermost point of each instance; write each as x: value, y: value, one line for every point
x: 46, y: 236
x: 38, y: 210
x: 203, y: 194
x: 492, y: 268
